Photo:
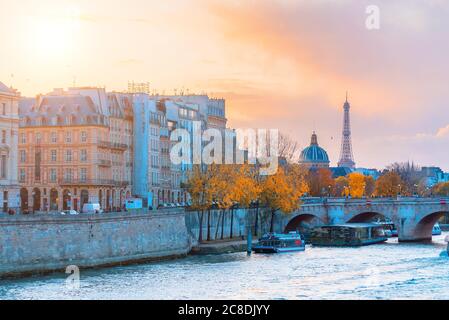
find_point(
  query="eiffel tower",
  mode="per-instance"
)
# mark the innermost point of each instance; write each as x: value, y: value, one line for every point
x: 346, y: 155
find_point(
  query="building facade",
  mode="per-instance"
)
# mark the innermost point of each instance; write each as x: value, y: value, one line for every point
x: 74, y: 150
x: 9, y: 128
x: 157, y: 179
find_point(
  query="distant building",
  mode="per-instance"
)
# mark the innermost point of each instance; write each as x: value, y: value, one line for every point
x: 340, y: 171
x: 9, y: 127
x: 368, y: 172
x: 314, y: 157
x: 433, y: 175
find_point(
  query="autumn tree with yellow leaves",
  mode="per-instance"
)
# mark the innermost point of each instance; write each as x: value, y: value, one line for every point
x: 389, y: 185
x: 357, y: 184
x: 441, y: 189
x: 341, y: 184
x: 282, y: 192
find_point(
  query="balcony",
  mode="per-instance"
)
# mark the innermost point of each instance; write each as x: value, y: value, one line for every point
x: 104, y: 163
x: 86, y: 182
x: 119, y: 146
x: 123, y: 183
x: 112, y: 145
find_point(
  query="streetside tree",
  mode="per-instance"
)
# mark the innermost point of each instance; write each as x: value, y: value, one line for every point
x: 441, y: 189
x: 389, y: 185
x: 320, y: 182
x: 245, y: 189
x: 279, y: 193
x: 204, y: 186
x: 341, y: 184
x: 196, y: 186
x: 370, y: 186
x: 357, y: 184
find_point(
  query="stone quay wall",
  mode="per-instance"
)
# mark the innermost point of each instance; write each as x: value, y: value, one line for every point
x: 44, y: 243
x: 220, y: 222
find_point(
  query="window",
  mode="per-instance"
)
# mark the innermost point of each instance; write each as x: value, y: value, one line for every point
x: 68, y: 137
x: 3, y: 136
x: 68, y: 155
x: 4, y: 109
x: 22, y: 175
x: 53, y: 175
x: 23, y: 156
x: 54, y: 137
x: 68, y: 174
x: 23, y: 138
x: 83, y: 136
x: 53, y: 156
x: 83, y: 155
x: 38, y: 137
x: 83, y: 174
x: 4, y: 167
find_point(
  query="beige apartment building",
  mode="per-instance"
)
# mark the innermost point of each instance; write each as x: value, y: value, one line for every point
x: 75, y: 149
x: 9, y: 127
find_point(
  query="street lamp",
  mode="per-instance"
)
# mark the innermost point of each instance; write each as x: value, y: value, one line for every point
x: 33, y: 194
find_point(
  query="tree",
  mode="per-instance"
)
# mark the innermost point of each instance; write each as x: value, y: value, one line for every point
x: 196, y: 185
x: 288, y: 148
x: 204, y: 186
x: 320, y: 182
x: 357, y: 184
x: 441, y: 189
x: 341, y: 184
x: 279, y: 192
x: 389, y: 184
x: 370, y: 186
x: 242, y: 189
x: 410, y: 174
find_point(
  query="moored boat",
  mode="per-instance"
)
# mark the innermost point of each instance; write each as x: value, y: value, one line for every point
x: 436, y: 230
x: 280, y: 242
x: 389, y: 228
x: 348, y: 235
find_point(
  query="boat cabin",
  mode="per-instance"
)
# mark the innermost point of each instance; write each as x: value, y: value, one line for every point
x: 348, y: 234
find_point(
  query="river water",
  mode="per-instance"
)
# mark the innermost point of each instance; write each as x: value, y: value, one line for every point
x: 385, y: 271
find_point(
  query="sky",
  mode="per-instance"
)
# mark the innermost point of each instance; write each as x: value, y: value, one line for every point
x: 283, y: 64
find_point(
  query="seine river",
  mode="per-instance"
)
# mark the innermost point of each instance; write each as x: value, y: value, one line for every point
x: 385, y: 271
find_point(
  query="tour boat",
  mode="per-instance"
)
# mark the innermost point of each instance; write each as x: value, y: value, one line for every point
x: 436, y: 230
x: 348, y: 235
x: 277, y: 243
x: 389, y: 228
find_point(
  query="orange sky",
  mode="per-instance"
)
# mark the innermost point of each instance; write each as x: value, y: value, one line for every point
x: 280, y: 64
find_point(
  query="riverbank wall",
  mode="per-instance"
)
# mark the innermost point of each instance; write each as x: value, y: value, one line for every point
x: 220, y: 223
x: 45, y: 243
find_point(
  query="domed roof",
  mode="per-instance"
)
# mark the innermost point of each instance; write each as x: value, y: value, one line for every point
x: 314, y: 153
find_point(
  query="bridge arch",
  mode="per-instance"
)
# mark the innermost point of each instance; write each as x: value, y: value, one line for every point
x: 303, y: 223
x: 423, y: 229
x: 366, y: 216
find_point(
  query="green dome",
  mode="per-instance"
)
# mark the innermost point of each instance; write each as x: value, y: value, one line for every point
x: 314, y: 153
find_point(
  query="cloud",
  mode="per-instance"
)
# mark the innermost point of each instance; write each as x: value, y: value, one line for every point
x: 443, y: 132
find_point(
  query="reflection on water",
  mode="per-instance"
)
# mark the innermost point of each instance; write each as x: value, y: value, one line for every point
x: 385, y: 271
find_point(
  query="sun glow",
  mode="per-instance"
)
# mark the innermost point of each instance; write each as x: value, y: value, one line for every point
x: 53, y: 37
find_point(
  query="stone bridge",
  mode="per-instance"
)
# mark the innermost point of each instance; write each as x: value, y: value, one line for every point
x: 413, y: 217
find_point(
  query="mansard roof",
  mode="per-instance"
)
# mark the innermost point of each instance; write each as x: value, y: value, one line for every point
x: 61, y: 110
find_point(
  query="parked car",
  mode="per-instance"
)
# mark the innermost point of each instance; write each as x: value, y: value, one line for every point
x: 92, y: 208
x: 69, y: 212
